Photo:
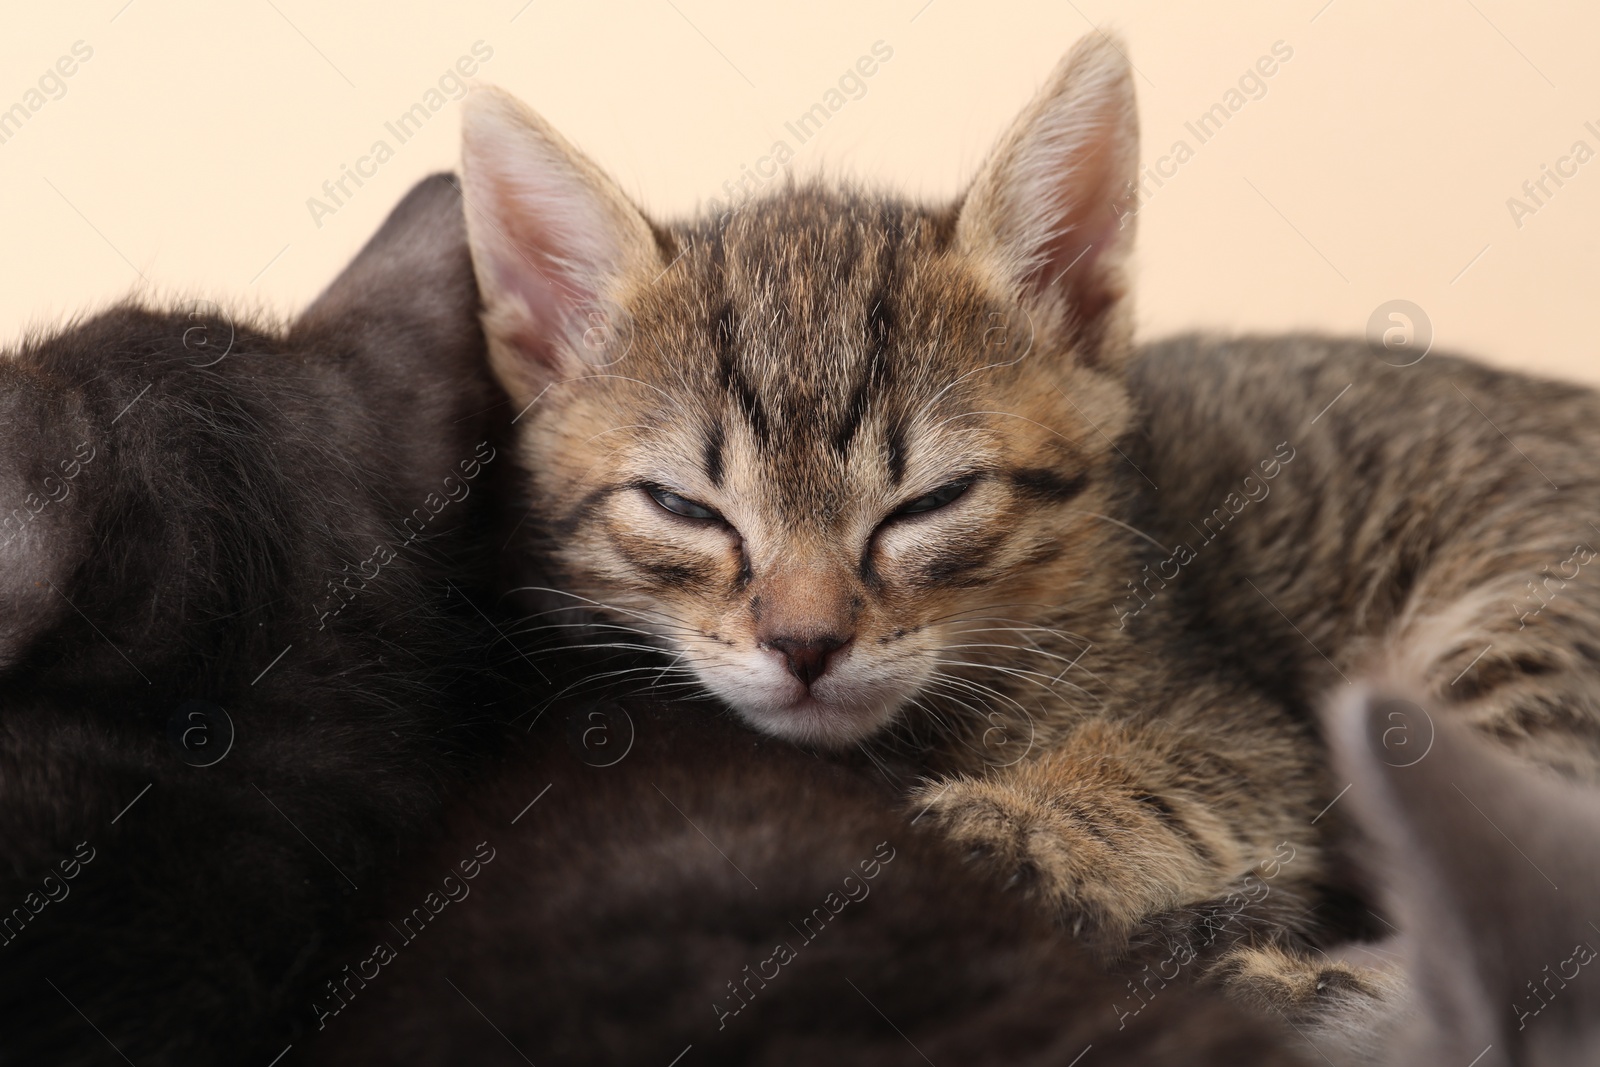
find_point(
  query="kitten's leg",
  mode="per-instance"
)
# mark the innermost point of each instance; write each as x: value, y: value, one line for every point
x: 1120, y: 820
x: 1346, y: 1009
x: 1119, y: 824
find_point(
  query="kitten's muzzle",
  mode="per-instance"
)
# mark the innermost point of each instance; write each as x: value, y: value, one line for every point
x: 807, y: 658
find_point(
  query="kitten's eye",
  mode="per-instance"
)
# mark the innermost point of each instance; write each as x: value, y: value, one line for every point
x: 945, y: 494
x: 678, y: 505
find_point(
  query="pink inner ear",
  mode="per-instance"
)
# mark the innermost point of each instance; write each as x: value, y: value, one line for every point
x: 542, y: 263
x: 1088, y: 226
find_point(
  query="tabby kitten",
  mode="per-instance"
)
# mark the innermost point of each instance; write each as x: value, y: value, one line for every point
x: 866, y: 469
x: 854, y: 463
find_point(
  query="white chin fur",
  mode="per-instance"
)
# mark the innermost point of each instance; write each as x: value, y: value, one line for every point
x: 837, y: 712
x: 816, y: 723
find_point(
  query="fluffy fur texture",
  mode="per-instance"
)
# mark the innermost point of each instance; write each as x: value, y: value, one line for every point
x: 729, y: 899
x: 1437, y: 524
x: 874, y: 471
x: 643, y: 874
x: 809, y: 365
x: 1406, y: 539
x: 188, y: 502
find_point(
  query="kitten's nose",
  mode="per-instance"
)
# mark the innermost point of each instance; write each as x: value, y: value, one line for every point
x: 806, y: 658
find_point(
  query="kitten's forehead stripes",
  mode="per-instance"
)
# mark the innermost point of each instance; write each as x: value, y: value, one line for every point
x: 731, y: 375
x: 735, y: 382
x: 821, y: 325
x: 895, y: 444
x: 713, y: 454
x: 787, y: 359
x: 875, y: 371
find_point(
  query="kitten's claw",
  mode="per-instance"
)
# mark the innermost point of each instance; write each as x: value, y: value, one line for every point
x: 1025, y: 874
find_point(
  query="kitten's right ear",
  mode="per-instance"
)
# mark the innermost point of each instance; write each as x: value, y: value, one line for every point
x: 556, y: 246
x: 1052, y: 210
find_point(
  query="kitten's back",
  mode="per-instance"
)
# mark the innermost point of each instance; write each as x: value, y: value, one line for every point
x: 1435, y: 519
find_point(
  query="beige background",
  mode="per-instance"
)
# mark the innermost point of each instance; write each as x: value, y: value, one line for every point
x: 1377, y: 165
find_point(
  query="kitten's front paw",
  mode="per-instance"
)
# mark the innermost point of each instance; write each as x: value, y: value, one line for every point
x: 1056, y: 855
x: 1327, y: 1001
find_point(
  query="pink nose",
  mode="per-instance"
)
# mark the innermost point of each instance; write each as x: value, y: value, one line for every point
x: 806, y: 658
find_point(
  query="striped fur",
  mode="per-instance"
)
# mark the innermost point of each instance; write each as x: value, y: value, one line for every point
x: 1131, y: 744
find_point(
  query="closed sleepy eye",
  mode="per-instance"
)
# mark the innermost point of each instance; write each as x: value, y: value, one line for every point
x: 943, y: 496
x: 682, y: 506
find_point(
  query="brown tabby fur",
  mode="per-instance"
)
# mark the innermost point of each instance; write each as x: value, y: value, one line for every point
x: 1423, y: 505
x: 808, y: 363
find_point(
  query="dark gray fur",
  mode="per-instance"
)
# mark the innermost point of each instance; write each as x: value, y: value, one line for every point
x: 189, y: 555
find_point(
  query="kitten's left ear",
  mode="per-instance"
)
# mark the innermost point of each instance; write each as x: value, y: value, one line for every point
x: 556, y: 245
x: 1053, y: 208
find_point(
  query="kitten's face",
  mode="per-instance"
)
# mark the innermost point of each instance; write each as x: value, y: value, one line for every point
x: 828, y: 451
x: 819, y: 493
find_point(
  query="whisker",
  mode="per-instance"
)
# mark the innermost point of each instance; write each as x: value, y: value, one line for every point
x: 673, y: 665
x: 1118, y: 522
x: 596, y: 603
x: 1015, y: 648
x: 1015, y: 672
x: 979, y: 689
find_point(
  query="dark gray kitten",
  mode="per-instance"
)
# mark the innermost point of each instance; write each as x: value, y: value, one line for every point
x: 237, y: 658
x: 664, y: 883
